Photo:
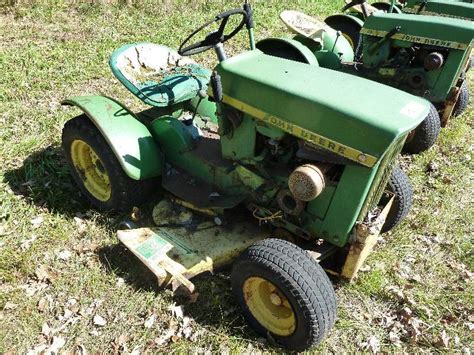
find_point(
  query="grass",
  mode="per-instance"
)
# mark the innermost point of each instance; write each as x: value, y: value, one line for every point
x: 54, y: 249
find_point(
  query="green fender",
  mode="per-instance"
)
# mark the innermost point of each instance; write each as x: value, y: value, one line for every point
x: 352, y: 18
x: 288, y: 49
x: 129, y: 139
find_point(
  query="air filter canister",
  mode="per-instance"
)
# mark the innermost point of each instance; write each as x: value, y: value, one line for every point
x: 306, y: 182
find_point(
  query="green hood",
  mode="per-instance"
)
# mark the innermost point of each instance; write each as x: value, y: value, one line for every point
x: 432, y: 30
x: 342, y: 108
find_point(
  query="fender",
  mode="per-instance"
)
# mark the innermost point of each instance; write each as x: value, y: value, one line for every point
x: 385, y: 6
x: 355, y: 20
x: 288, y: 49
x: 129, y: 139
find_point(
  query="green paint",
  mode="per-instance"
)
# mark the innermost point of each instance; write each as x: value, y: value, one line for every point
x: 152, y: 247
x: 129, y: 139
x: 312, y: 100
x: 454, y: 9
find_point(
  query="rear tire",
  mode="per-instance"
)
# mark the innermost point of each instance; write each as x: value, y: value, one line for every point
x: 425, y: 135
x: 463, y: 100
x: 116, y: 190
x: 284, y: 294
x: 400, y: 185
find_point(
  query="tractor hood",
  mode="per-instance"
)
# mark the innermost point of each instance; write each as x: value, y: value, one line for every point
x: 455, y: 9
x: 431, y: 30
x: 354, y: 117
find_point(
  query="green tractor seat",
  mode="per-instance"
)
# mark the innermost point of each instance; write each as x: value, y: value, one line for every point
x: 158, y: 75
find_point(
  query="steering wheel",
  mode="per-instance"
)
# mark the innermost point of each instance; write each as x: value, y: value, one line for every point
x: 213, y: 38
x: 362, y: 3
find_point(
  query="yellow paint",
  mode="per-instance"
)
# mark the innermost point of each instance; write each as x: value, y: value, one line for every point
x: 91, y: 170
x: 269, y: 306
x: 417, y: 39
x: 349, y: 39
x: 366, y: 238
x: 306, y: 135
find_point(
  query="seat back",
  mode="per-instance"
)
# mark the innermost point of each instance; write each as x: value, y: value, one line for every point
x: 158, y: 75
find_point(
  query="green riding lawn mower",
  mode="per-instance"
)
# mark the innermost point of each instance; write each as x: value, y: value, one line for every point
x: 424, y: 55
x: 280, y: 168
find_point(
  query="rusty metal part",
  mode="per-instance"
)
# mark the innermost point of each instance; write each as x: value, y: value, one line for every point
x: 175, y: 255
x: 433, y: 61
x: 307, y: 182
x: 366, y: 235
x: 289, y: 204
x: 450, y: 104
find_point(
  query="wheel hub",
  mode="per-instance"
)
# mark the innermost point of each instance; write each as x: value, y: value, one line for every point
x: 91, y: 170
x: 269, y: 306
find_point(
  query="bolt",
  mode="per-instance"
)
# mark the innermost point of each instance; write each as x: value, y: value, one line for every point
x: 275, y: 299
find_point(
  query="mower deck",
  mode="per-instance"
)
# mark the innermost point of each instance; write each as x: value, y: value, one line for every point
x: 175, y: 255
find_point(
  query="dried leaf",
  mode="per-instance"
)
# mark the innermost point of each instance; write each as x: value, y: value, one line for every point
x: 165, y: 338
x: 80, y: 350
x: 99, y: 321
x: 44, y: 273
x: 64, y: 255
x: 73, y: 305
x: 32, y: 288
x: 10, y: 306
x: 176, y: 310
x: 26, y: 244
x: 443, y: 340
x: 372, y: 344
x: 46, y: 330
x: 56, y: 345
x: 394, y: 338
x: 43, y: 304
x: 37, y: 221
x: 150, y: 321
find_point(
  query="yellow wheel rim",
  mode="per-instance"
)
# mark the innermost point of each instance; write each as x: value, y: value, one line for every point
x: 91, y: 170
x: 349, y: 39
x: 269, y: 306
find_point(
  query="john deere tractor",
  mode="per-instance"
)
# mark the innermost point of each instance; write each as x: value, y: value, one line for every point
x: 423, y: 55
x: 308, y: 157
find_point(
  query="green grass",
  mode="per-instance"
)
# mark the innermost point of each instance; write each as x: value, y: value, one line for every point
x: 48, y: 53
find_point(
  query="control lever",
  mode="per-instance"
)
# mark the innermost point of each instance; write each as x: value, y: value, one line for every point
x: 389, y: 35
x: 216, y: 85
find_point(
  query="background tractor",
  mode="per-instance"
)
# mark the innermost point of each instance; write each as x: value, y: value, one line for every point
x: 423, y: 55
x: 463, y: 10
x: 311, y: 157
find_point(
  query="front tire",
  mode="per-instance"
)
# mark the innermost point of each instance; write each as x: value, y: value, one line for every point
x: 463, y: 100
x: 400, y: 186
x: 96, y: 170
x: 425, y: 135
x: 284, y: 294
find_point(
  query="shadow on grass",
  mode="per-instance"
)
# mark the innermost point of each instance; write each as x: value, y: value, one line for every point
x: 45, y: 181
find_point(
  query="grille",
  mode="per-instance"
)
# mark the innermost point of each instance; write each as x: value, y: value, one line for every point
x: 381, y: 178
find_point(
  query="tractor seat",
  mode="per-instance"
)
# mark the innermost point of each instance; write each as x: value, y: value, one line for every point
x: 158, y: 75
x: 305, y: 25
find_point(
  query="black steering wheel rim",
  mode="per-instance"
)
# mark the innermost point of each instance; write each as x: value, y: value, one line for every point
x: 213, y: 38
x: 354, y: 3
